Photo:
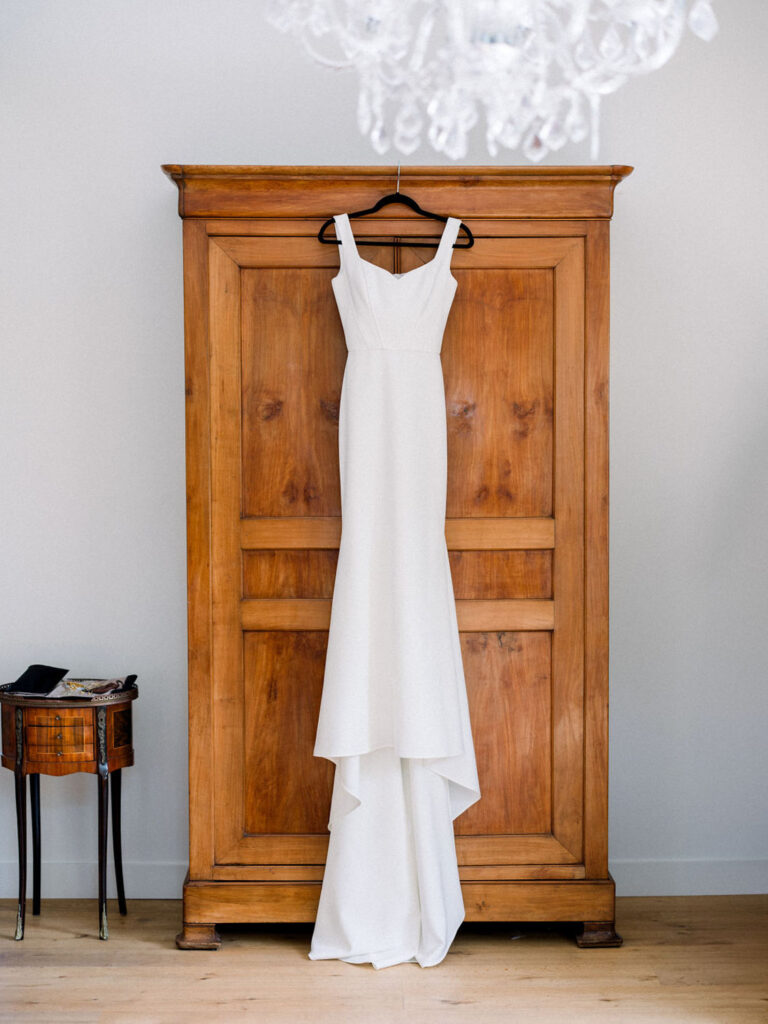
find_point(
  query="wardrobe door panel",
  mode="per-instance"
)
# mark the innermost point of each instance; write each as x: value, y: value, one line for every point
x: 287, y: 789
x: 510, y: 673
x: 513, y: 361
x: 491, y: 575
x: 498, y: 361
x: 289, y: 573
x: 292, y: 365
x: 277, y: 360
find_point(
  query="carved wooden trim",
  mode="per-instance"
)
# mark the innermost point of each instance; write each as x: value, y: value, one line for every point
x: 210, y: 190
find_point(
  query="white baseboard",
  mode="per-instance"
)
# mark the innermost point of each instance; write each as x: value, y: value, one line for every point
x: 164, y: 880
x: 689, y: 877
x: 150, y: 880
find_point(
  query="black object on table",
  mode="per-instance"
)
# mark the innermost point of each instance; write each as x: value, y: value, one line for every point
x: 58, y: 736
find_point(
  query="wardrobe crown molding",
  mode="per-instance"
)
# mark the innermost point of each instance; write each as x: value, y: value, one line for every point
x: 569, y: 192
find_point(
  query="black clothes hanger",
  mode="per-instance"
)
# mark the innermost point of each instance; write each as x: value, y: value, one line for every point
x: 396, y: 197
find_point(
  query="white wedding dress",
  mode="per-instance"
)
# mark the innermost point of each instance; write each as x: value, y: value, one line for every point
x: 393, y: 717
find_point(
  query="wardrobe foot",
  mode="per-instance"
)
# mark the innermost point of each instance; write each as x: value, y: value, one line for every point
x: 598, y: 933
x: 198, y: 936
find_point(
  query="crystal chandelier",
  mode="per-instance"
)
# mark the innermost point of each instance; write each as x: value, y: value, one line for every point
x: 536, y: 68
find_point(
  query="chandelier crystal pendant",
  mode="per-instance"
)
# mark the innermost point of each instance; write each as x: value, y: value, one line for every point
x: 537, y: 69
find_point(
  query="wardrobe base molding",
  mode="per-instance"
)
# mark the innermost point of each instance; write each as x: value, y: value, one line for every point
x: 589, y: 902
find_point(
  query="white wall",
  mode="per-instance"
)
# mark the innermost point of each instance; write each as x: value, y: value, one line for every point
x: 94, y: 96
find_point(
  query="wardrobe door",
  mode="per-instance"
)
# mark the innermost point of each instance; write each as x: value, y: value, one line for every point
x: 513, y: 361
x: 277, y: 358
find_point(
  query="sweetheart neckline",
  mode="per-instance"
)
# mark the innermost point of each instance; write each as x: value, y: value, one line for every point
x: 389, y: 273
x: 398, y: 277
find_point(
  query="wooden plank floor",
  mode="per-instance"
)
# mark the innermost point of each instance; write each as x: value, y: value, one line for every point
x: 699, y: 960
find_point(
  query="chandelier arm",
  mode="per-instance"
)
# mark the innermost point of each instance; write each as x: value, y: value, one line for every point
x: 529, y: 65
x: 327, y: 62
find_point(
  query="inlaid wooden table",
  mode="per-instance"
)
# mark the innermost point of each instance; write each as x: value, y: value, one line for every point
x: 60, y: 736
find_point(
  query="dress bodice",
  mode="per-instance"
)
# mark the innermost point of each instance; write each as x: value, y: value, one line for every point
x: 381, y: 310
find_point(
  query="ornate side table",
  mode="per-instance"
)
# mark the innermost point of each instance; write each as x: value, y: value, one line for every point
x: 57, y: 737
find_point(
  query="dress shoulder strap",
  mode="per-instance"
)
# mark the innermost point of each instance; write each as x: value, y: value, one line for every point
x: 450, y: 232
x: 345, y: 236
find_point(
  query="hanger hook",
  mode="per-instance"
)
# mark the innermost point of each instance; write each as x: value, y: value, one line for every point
x: 397, y: 187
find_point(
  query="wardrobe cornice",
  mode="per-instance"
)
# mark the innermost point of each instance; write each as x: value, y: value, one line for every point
x: 212, y: 190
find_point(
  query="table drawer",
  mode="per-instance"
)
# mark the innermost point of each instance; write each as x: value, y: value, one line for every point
x: 54, y: 717
x: 62, y: 742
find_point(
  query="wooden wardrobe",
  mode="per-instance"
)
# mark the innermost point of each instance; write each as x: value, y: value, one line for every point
x: 525, y: 360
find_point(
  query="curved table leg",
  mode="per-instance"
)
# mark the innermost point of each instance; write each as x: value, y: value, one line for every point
x: 103, y: 777
x: 117, y: 846
x: 21, y: 829
x: 34, y: 792
x: 21, y: 822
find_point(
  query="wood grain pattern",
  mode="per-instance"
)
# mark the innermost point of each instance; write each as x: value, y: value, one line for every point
x: 557, y: 900
x: 394, y: 222
x: 59, y: 737
x: 297, y: 572
x: 596, y: 499
x: 496, y: 575
x: 520, y: 533
x: 58, y: 717
x: 315, y: 613
x: 485, y: 574
x: 70, y: 742
x: 568, y: 496
x: 498, y: 363
x: 687, y: 960
x: 301, y: 191
x: 287, y: 789
x: 293, y: 359
x: 510, y: 679
x: 200, y: 684
x: 226, y: 569
x: 525, y: 362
